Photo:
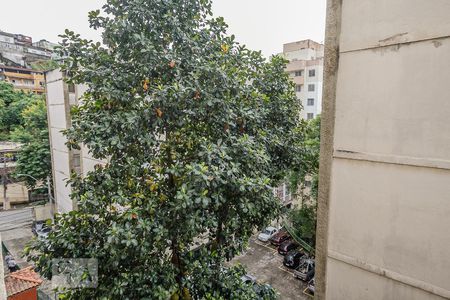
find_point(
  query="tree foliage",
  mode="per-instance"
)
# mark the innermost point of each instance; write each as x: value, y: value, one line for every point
x: 34, y: 156
x: 23, y: 118
x: 195, y: 129
x: 303, y: 218
x: 12, y: 103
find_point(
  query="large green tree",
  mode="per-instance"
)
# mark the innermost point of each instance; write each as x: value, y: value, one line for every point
x: 34, y: 156
x: 304, y: 218
x: 23, y: 119
x: 12, y: 103
x: 195, y: 129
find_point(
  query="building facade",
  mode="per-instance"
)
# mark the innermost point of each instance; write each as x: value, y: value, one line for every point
x: 23, y: 79
x: 18, y: 50
x: 306, y: 69
x: 60, y: 98
x: 384, y: 206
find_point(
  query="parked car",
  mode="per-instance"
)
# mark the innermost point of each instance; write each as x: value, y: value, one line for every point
x: 247, y: 278
x: 311, y: 285
x: 279, y: 238
x: 305, y: 271
x: 267, y: 233
x: 292, y: 258
x: 262, y: 290
x: 40, y: 229
x: 287, y: 246
x: 37, y: 226
x: 43, y: 233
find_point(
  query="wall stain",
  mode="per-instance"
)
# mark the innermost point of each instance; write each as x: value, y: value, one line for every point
x: 393, y: 38
x: 345, y: 151
x: 437, y: 44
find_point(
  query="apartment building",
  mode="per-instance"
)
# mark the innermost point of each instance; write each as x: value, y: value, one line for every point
x: 18, y: 50
x: 27, y: 80
x: 306, y: 69
x: 44, y: 44
x: 384, y: 206
x: 60, y: 98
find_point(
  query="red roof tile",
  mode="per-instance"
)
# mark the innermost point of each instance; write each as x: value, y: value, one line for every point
x: 21, y: 280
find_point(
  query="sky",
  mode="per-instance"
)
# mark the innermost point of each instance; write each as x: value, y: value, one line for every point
x: 260, y: 24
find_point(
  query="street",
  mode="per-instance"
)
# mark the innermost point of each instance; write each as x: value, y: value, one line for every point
x: 263, y: 261
x: 15, y: 218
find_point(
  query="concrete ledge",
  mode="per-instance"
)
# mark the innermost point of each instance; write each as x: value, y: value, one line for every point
x: 393, y: 159
x: 424, y: 286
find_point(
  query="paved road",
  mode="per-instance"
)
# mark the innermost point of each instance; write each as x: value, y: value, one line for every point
x: 15, y: 218
x: 263, y: 261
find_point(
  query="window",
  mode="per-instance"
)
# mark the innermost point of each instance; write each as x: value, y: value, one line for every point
x: 76, y: 160
x: 312, y: 73
x: 310, y: 101
x: 309, y: 116
x: 311, y: 88
x: 76, y: 163
x: 298, y: 73
x: 298, y: 88
x: 71, y: 88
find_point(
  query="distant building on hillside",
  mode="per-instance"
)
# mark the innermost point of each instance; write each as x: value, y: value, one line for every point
x: 306, y: 69
x: 18, y: 50
x: 44, y: 44
x: 21, y: 61
x: 24, y: 79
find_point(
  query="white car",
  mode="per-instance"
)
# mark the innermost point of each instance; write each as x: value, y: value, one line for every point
x: 43, y: 233
x: 267, y: 233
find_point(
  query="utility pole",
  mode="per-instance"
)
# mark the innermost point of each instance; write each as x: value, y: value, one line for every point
x: 5, y: 185
x: 50, y: 198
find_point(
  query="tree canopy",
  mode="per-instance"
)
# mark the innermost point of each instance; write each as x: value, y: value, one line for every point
x: 34, y: 156
x: 12, y: 103
x: 195, y: 130
x: 304, y: 218
x: 23, y: 118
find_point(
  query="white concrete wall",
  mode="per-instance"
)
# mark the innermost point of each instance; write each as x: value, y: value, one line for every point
x: 43, y: 212
x: 389, y: 208
x: 58, y: 105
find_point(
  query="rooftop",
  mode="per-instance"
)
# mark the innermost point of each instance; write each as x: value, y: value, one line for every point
x: 20, y: 69
x: 303, y: 44
x: 21, y: 281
